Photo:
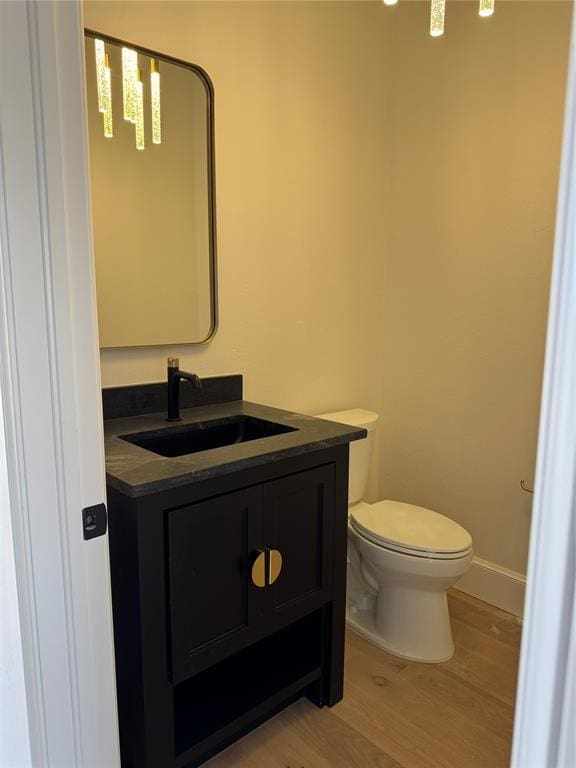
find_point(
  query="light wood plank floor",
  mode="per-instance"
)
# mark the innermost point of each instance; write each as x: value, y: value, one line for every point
x: 400, y: 714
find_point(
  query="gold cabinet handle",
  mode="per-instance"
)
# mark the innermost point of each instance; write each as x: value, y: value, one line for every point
x: 274, y: 565
x: 258, y: 572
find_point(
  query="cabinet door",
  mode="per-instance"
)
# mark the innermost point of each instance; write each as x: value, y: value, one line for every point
x: 298, y: 522
x: 213, y: 603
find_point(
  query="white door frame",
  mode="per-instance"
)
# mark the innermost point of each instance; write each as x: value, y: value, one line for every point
x: 544, y: 731
x: 49, y: 378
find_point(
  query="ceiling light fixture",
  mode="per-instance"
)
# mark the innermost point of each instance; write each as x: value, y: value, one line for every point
x: 486, y: 8
x: 437, y: 14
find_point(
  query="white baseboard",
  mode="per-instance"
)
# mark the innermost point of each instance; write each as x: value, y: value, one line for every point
x: 495, y: 585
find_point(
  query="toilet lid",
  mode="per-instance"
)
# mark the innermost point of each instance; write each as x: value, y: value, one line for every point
x: 407, y: 527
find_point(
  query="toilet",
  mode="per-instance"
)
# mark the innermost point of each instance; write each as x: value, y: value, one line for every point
x: 401, y: 561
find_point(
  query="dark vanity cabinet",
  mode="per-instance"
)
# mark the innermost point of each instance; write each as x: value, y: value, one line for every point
x: 229, y: 601
x: 214, y: 604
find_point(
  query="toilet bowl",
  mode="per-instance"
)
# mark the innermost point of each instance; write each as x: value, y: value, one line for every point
x: 402, y: 559
x: 408, y: 557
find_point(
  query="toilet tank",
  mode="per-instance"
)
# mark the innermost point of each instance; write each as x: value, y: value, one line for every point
x: 360, y: 450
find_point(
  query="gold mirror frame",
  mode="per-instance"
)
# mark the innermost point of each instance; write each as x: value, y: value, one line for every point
x: 207, y: 83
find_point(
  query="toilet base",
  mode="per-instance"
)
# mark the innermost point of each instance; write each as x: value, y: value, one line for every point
x: 362, y: 622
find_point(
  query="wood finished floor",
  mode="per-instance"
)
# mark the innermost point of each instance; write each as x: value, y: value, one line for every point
x: 401, y: 714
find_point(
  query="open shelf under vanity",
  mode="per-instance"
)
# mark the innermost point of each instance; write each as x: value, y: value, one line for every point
x: 212, y: 707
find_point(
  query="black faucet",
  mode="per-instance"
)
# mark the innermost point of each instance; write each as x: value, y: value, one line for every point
x: 174, y: 377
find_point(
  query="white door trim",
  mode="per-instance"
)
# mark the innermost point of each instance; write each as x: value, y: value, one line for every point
x: 50, y: 390
x: 542, y: 736
x: 49, y: 377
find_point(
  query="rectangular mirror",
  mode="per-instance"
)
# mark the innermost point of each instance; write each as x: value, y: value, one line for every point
x: 150, y: 121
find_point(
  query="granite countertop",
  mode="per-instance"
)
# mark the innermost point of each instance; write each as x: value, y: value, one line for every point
x: 136, y: 471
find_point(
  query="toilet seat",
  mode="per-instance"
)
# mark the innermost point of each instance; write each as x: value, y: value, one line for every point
x: 410, y: 530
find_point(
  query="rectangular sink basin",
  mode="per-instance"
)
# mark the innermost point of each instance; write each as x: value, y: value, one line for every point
x: 203, y: 436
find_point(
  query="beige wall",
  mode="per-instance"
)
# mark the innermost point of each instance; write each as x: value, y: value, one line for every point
x: 299, y: 181
x: 475, y: 140
x: 385, y: 211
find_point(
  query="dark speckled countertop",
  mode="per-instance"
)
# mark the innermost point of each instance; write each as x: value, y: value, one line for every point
x: 136, y: 471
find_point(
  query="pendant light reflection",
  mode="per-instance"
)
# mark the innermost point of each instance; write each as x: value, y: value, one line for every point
x: 155, y: 102
x: 390, y: 2
x: 107, y: 99
x: 125, y: 84
x: 100, y: 56
x: 486, y: 8
x: 437, y: 13
x: 132, y: 94
x: 139, y: 110
x: 104, y: 86
x: 129, y: 80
